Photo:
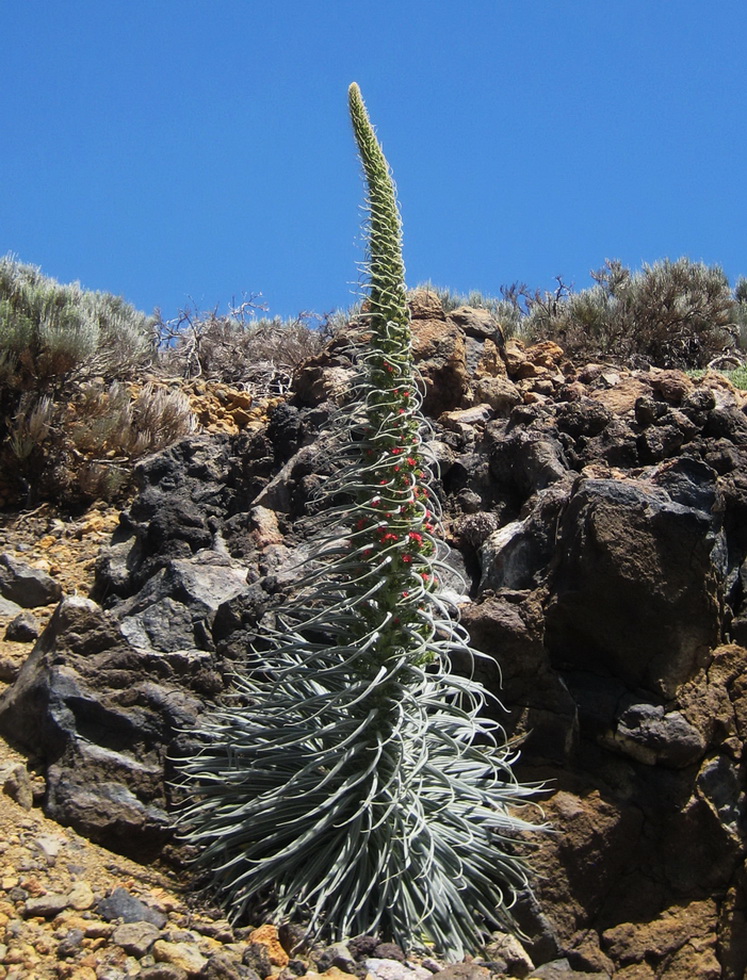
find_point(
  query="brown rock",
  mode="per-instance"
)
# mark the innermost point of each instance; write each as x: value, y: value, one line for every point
x: 546, y: 354
x: 528, y: 369
x: 80, y: 896
x: 183, y: 955
x: 461, y: 418
x: 572, y: 391
x: 267, y: 935
x: 323, y: 378
x: 45, y: 906
x: 621, y: 398
x: 673, y: 386
x: 635, y: 971
x: 695, y: 959
x: 715, y: 700
x: 163, y: 971
x: 72, y: 971
x: 498, y: 392
x: 425, y: 305
x: 463, y: 971
x: 491, y: 364
x: 732, y: 928
x: 515, y: 355
x: 241, y: 416
x: 440, y: 354
x: 16, y: 783
x: 239, y: 399
x: 475, y: 320
x: 265, y: 529
x: 585, y: 952
x: 136, y: 938
x: 507, y: 949
x: 542, y: 386
x: 683, y: 935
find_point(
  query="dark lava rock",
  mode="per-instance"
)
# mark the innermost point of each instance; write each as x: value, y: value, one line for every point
x: 125, y: 906
x: 27, y: 586
x: 635, y: 591
x: 103, y: 716
x: 23, y: 629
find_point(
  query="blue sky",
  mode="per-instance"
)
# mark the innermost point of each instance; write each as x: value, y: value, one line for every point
x: 177, y: 151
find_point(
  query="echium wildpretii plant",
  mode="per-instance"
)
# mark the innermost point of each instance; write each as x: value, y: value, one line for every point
x: 354, y: 779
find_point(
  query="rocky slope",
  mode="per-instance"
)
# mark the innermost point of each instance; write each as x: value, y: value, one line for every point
x: 598, y: 519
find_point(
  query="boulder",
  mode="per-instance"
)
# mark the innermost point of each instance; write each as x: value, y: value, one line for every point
x: 682, y: 937
x: 176, y: 608
x: 26, y: 586
x: 517, y: 555
x: 508, y: 630
x: 636, y: 590
x: 524, y: 461
x: 500, y: 393
x: 23, y: 628
x: 440, y: 353
x: 654, y: 736
x: 102, y: 718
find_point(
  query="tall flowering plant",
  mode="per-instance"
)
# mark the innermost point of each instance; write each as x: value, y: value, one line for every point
x: 354, y: 779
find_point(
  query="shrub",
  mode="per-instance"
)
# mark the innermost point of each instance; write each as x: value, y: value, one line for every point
x: 351, y: 776
x: 740, y: 297
x: 68, y: 426
x: 673, y: 314
x: 51, y: 333
x: 239, y: 348
x: 79, y: 450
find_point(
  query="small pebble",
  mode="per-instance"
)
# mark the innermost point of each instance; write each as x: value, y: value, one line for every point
x: 71, y: 944
x: 45, y: 906
x: 386, y: 969
x: 122, y: 905
x: 80, y: 896
x: 136, y: 938
x: 182, y: 955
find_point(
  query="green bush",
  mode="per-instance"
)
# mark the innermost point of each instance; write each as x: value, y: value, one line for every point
x: 672, y: 314
x: 52, y: 333
x: 69, y: 430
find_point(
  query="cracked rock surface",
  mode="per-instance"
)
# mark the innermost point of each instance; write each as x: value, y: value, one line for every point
x: 598, y: 518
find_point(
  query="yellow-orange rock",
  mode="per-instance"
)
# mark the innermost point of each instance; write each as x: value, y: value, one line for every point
x: 268, y: 935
